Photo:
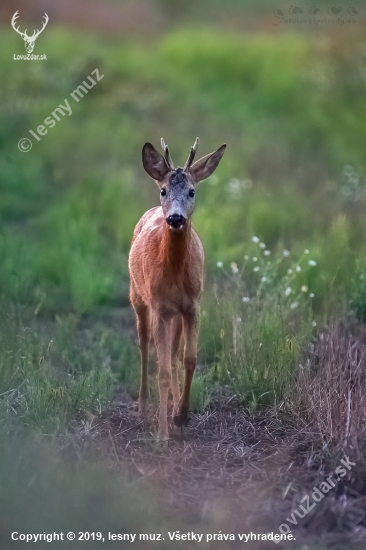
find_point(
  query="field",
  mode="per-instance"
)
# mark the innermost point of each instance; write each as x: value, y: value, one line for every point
x: 279, y: 395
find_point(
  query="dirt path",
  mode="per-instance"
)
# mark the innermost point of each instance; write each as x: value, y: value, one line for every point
x: 234, y: 472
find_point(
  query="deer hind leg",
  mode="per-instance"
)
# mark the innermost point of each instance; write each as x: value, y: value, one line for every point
x: 143, y: 328
x: 177, y: 327
x: 190, y: 358
x: 163, y: 342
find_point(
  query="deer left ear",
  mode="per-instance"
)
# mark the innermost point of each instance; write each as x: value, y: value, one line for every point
x: 204, y: 167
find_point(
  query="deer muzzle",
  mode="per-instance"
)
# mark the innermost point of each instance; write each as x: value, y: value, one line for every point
x: 176, y: 221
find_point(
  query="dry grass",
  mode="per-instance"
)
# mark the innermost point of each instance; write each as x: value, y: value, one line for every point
x: 233, y: 471
x: 331, y: 389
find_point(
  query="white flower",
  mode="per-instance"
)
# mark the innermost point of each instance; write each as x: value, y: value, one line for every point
x: 298, y: 268
x: 246, y: 257
x: 238, y: 320
x: 264, y: 279
x: 262, y: 245
x: 304, y: 288
x: 256, y: 268
x: 306, y: 251
x: 219, y: 264
x: 235, y: 186
x: 267, y: 252
x: 234, y: 267
x: 311, y: 294
x: 255, y: 259
x: 289, y: 271
x: 255, y: 239
x: 294, y: 305
x: 245, y: 299
x: 312, y: 262
x: 286, y: 253
x: 288, y: 291
x: 314, y: 323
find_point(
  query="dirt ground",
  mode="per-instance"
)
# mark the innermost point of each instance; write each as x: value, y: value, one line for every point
x: 232, y: 471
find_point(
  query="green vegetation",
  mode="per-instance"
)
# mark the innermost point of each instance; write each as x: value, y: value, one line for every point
x: 291, y: 108
x: 50, y: 372
x: 264, y: 322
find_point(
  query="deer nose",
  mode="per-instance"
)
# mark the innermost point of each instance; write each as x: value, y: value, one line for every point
x: 175, y: 220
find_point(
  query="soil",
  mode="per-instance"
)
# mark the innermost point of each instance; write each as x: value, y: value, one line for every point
x: 234, y: 471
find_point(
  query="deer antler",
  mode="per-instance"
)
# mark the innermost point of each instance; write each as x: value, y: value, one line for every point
x: 167, y: 154
x: 13, y: 22
x: 192, y: 154
x: 38, y: 32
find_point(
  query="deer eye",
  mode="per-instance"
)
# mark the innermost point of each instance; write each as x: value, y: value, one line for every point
x: 163, y: 192
x: 192, y: 193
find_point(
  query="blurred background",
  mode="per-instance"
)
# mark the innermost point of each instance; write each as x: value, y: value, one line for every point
x: 283, y: 85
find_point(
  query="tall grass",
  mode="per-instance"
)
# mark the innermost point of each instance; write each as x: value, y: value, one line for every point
x: 50, y: 373
x: 329, y: 394
x: 259, y: 322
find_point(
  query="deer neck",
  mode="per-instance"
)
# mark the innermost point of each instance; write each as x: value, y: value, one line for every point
x: 174, y: 247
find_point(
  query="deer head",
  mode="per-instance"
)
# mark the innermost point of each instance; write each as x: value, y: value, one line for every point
x: 178, y: 185
x: 29, y: 40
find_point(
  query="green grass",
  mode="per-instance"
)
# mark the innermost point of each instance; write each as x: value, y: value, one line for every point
x: 47, y: 376
x: 77, y: 195
x: 54, y: 371
x: 259, y: 324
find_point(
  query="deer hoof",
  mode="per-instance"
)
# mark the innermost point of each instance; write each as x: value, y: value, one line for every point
x: 181, y: 419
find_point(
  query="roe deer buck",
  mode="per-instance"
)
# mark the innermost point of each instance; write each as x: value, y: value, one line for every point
x: 166, y: 274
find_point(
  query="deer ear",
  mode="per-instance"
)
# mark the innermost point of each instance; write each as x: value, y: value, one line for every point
x: 204, y: 167
x: 154, y: 163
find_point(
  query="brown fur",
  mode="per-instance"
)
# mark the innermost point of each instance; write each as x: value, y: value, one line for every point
x: 166, y: 274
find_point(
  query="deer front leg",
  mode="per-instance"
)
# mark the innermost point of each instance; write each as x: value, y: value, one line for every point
x: 143, y: 328
x: 190, y: 358
x: 177, y: 328
x: 163, y: 342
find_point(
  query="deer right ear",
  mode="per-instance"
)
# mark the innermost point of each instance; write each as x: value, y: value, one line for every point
x: 154, y: 163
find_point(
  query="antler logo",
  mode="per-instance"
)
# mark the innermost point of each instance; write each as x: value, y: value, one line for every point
x: 28, y: 40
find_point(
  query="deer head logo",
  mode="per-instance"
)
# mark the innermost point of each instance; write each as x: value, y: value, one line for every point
x: 29, y: 40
